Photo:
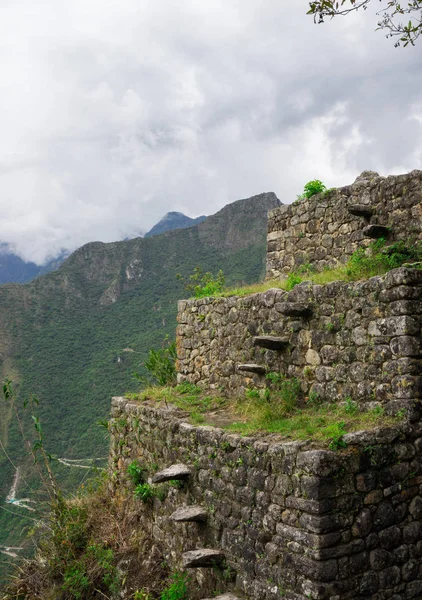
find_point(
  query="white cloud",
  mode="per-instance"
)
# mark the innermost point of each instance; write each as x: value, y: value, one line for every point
x: 115, y: 113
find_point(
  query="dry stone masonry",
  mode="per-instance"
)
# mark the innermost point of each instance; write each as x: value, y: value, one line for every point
x: 289, y: 521
x: 326, y: 229
x: 342, y: 340
x: 262, y: 519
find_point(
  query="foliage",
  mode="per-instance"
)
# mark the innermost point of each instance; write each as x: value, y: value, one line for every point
x: 177, y: 590
x: 381, y: 257
x: 188, y: 388
x: 336, y: 430
x: 145, y: 492
x: 161, y: 365
x: 313, y: 187
x: 63, y: 343
x: 202, y: 285
x: 292, y: 279
x: 136, y: 472
x: 390, y: 14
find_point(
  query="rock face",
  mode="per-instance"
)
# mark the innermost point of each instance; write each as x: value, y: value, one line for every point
x: 175, y: 472
x: 202, y: 558
x: 252, y: 368
x: 362, y: 340
x: 327, y: 228
x: 190, y: 514
x: 285, y: 516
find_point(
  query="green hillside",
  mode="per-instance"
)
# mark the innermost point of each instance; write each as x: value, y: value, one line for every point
x: 75, y: 336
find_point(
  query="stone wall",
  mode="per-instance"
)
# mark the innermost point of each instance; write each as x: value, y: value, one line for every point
x: 360, y: 340
x: 293, y: 521
x: 324, y: 232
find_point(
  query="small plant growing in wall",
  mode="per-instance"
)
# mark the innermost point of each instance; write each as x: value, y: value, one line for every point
x: 144, y: 492
x: 315, y: 186
x: 177, y: 590
x: 136, y: 472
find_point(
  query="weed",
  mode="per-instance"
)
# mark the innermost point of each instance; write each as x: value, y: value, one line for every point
x: 136, y: 472
x: 145, y: 492
x: 351, y: 407
x: 161, y: 365
x: 188, y: 388
x: 337, y: 430
x: 313, y: 187
x: 314, y: 399
x: 177, y: 590
x: 203, y: 285
x: 253, y: 394
x: 292, y: 279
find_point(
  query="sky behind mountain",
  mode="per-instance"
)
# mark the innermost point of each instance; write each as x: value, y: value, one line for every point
x: 114, y: 113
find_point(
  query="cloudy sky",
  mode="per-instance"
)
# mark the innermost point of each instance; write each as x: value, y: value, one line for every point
x: 113, y: 113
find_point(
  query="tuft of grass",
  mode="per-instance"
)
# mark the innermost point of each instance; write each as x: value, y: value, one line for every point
x: 194, y: 403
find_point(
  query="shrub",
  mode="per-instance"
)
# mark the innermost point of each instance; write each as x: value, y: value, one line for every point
x: 381, y: 257
x: 177, y: 590
x: 161, y: 366
x: 313, y: 187
x: 136, y: 472
x: 201, y: 285
x: 145, y: 492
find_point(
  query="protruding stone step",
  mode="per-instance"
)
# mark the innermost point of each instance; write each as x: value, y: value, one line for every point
x: 206, y: 557
x: 179, y: 471
x: 376, y: 231
x: 361, y: 210
x: 227, y: 596
x: 189, y: 514
x: 294, y: 309
x: 271, y: 342
x: 258, y: 369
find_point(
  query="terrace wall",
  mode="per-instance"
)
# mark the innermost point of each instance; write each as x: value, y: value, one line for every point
x: 322, y: 231
x: 294, y: 521
x: 360, y: 340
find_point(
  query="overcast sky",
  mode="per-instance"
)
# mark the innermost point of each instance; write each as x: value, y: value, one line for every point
x: 114, y: 113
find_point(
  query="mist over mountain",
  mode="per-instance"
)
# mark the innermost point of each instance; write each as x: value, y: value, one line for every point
x: 13, y: 269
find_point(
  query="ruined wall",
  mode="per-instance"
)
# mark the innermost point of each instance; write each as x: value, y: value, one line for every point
x: 294, y: 522
x: 360, y: 340
x: 324, y: 232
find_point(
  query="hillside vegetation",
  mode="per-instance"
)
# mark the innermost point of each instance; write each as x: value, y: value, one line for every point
x: 75, y: 336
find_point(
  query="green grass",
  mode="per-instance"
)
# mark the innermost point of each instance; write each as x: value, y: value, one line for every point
x: 322, y: 423
x: 380, y: 259
x: 185, y: 396
x: 272, y: 411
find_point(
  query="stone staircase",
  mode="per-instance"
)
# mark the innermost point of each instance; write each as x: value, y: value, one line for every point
x: 203, y: 557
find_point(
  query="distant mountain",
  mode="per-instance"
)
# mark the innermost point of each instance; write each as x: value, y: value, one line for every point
x: 174, y: 220
x: 14, y: 269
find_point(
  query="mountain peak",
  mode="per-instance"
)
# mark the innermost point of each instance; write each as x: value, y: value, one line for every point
x: 173, y: 220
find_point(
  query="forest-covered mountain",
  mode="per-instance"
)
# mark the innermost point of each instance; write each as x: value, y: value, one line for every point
x: 75, y: 336
x: 13, y: 269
